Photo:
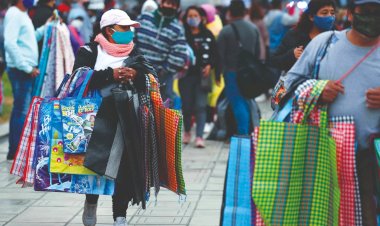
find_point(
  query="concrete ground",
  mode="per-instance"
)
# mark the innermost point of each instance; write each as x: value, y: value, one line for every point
x: 204, y: 172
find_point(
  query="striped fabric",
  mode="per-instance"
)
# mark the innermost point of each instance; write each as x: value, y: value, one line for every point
x: 22, y: 161
x: 169, y: 133
x: 165, y: 47
x: 238, y: 206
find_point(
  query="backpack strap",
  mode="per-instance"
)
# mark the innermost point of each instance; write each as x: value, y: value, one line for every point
x: 237, y: 35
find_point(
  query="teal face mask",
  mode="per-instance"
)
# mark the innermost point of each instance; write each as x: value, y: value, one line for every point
x: 122, y: 37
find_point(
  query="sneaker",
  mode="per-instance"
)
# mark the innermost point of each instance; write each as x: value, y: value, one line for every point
x: 208, y: 127
x: 200, y: 143
x: 261, y: 98
x: 120, y: 221
x: 186, y: 138
x: 89, y: 214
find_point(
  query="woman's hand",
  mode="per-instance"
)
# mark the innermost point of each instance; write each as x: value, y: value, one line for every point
x: 331, y: 91
x: 206, y: 70
x: 298, y: 52
x: 373, y: 98
x: 124, y: 74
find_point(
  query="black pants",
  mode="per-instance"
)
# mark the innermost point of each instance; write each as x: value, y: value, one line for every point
x: 120, y: 197
x: 366, y: 169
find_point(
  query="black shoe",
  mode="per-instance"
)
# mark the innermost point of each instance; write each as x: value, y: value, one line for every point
x: 10, y: 158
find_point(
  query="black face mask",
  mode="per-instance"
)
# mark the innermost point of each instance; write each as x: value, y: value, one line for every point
x: 168, y: 12
x: 367, y: 24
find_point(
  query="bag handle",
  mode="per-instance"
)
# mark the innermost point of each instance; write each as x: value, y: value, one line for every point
x: 83, y: 87
x: 359, y: 62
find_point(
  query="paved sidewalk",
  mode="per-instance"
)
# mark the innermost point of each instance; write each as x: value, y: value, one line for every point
x: 204, y: 172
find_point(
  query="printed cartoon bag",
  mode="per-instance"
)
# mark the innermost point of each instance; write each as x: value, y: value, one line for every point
x: 78, y: 118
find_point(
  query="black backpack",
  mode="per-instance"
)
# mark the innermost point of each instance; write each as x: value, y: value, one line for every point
x: 253, y: 76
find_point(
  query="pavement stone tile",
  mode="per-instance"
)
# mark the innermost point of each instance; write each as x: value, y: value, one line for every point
x: 205, y: 218
x: 36, y: 224
x: 100, y: 219
x: 46, y: 215
x: 158, y: 220
x: 6, y: 217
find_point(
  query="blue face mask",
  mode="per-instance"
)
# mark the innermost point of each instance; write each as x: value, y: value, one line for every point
x: 193, y: 22
x: 28, y: 3
x: 324, y: 23
x: 122, y: 37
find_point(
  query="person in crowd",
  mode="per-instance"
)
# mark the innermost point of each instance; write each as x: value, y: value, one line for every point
x: 78, y: 10
x: 149, y: 6
x: 228, y: 47
x: 256, y: 15
x: 21, y: 51
x: 319, y: 17
x: 162, y: 39
x: 42, y: 12
x: 194, y: 96
x: 214, y: 23
x: 342, y: 20
x: 105, y: 55
x: 358, y: 94
x: 278, y: 23
x: 75, y: 38
x: 64, y: 9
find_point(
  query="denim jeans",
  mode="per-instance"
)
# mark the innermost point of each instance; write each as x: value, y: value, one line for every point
x: 22, y: 85
x: 194, y: 102
x: 238, y: 103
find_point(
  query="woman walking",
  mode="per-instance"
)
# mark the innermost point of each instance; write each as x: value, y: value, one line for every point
x: 106, y: 56
x: 196, y: 85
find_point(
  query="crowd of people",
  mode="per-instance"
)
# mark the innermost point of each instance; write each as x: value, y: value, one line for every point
x: 199, y: 47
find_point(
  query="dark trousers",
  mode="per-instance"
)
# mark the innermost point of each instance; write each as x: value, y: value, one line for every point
x: 120, y: 197
x: 194, y: 102
x: 22, y: 85
x: 366, y: 169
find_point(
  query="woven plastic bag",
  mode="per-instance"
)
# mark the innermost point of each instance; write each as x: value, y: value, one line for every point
x: 237, y: 195
x: 295, y: 177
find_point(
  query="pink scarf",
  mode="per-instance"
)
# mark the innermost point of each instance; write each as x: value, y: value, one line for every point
x: 116, y: 50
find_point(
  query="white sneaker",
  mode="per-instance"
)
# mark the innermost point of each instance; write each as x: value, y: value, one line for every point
x: 120, y: 221
x: 208, y: 127
x: 261, y: 98
x: 89, y: 214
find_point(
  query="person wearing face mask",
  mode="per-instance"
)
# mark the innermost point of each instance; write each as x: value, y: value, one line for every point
x: 319, y: 17
x: 105, y: 55
x: 353, y: 52
x: 162, y: 39
x: 78, y: 10
x: 21, y: 51
x: 75, y: 37
x: 194, y: 98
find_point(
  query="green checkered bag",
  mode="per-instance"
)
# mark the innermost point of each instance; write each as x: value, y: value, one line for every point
x: 295, y: 177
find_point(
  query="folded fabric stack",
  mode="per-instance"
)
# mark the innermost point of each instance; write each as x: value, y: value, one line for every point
x: 78, y: 142
x: 57, y: 59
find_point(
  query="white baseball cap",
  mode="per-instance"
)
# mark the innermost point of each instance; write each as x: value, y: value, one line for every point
x: 119, y: 17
